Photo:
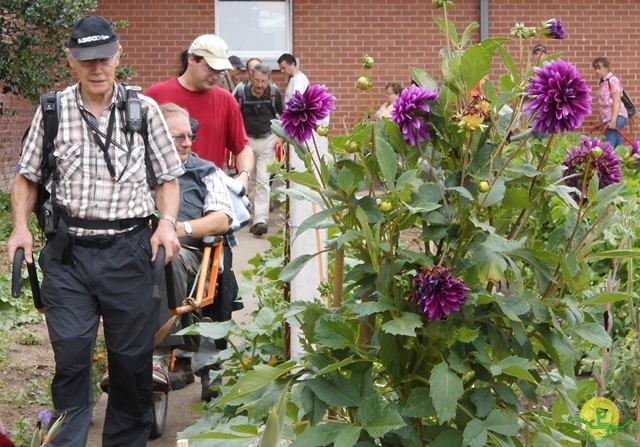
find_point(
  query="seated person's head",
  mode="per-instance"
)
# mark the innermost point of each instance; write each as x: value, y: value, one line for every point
x: 179, y: 125
x: 392, y: 90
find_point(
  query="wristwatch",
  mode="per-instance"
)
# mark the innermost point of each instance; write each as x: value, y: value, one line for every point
x: 171, y: 220
x: 248, y: 173
x: 187, y: 228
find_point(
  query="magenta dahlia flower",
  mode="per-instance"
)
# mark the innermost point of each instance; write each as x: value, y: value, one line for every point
x: 411, y: 113
x: 304, y: 110
x: 437, y: 293
x: 553, y: 29
x: 560, y: 98
x: 596, y: 156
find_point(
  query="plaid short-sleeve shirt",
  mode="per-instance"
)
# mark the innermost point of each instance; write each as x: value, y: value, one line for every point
x: 86, y: 188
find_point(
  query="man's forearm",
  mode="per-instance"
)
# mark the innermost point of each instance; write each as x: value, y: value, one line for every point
x: 23, y: 198
x: 245, y: 160
x: 168, y: 198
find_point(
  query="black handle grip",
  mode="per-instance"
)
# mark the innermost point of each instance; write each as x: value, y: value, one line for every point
x: 16, y: 273
x: 158, y: 269
x: 16, y: 279
x: 35, y: 285
x: 171, y: 296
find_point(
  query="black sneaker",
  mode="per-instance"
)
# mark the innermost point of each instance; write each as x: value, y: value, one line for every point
x: 258, y: 229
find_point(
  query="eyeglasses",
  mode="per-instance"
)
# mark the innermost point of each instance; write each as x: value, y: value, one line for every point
x: 213, y: 70
x: 180, y: 138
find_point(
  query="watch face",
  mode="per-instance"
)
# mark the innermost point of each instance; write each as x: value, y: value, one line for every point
x: 187, y: 228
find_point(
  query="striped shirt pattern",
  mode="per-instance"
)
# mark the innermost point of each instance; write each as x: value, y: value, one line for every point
x: 86, y: 187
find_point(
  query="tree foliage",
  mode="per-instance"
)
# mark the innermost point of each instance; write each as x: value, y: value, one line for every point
x: 34, y: 38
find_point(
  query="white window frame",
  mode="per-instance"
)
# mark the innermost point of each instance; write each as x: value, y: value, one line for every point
x: 268, y: 57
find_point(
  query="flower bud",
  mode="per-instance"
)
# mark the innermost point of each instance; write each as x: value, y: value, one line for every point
x: 484, y: 186
x: 596, y: 152
x: 364, y: 83
x: 351, y: 146
x: 386, y: 206
x: 367, y: 63
x: 322, y: 130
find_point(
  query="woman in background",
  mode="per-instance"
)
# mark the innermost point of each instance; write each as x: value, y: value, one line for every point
x: 613, y: 114
x: 392, y: 90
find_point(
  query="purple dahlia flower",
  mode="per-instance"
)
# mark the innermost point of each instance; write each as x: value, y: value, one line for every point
x: 304, y: 110
x: 411, y: 113
x: 44, y: 416
x: 560, y: 98
x: 553, y: 29
x: 437, y: 293
x: 596, y: 156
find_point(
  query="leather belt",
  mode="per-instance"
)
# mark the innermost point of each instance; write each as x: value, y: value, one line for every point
x: 258, y: 136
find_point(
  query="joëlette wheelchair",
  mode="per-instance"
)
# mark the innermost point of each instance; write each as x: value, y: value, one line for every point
x: 205, y: 294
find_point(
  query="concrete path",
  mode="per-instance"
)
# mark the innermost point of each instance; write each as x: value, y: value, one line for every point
x: 179, y: 414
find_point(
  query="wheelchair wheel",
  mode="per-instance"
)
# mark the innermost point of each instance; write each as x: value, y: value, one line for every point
x: 160, y: 405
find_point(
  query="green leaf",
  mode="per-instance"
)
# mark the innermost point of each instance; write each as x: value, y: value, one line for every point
x: 474, y: 65
x: 334, y: 366
x: 475, y: 434
x: 272, y: 435
x: 259, y: 377
x: 502, y: 423
x: 491, y: 265
x: 387, y: 160
x: 466, y: 35
x: 449, y: 438
x: 419, y: 404
x: 495, y: 194
x: 340, y: 392
x: 318, y: 436
x: 333, y: 333
x: 292, y: 269
x: 593, y: 333
x: 484, y: 400
x: 422, y: 78
x: 608, y: 297
x: 347, y: 437
x: 377, y: 417
x: 446, y: 388
x: 405, y: 325
x: 318, y: 218
x: 211, y: 330
x: 508, y: 62
x: 543, y: 440
x: 613, y: 254
x: 307, y: 179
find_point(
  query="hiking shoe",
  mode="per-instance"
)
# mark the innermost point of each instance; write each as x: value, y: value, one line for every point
x: 258, y: 229
x: 104, y: 382
x: 182, y: 374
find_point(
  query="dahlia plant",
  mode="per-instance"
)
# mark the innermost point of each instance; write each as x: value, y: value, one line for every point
x: 467, y: 264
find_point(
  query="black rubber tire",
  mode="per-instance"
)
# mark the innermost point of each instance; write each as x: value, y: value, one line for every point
x: 160, y: 407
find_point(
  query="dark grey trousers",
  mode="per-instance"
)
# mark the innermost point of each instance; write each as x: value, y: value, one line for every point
x: 115, y: 284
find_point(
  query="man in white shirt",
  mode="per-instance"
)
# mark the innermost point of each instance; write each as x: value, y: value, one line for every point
x: 298, y: 82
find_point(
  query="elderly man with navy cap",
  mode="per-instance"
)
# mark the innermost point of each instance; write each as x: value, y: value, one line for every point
x: 98, y: 260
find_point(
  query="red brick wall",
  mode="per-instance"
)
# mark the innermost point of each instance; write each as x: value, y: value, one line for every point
x: 332, y: 36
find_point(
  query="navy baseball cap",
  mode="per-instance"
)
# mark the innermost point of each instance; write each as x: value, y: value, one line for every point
x: 92, y: 37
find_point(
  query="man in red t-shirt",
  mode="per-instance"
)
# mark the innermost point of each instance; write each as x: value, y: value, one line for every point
x: 217, y: 111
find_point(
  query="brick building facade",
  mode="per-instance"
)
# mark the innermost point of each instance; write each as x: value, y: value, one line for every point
x: 330, y: 38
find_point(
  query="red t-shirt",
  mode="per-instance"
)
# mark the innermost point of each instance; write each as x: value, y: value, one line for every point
x: 221, y: 125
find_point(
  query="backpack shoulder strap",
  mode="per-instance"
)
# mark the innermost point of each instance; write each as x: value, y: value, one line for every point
x: 128, y: 93
x: 272, y: 96
x: 50, y: 103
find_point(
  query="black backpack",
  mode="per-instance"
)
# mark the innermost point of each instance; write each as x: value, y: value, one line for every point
x: 50, y: 104
x: 626, y: 102
x: 271, y: 102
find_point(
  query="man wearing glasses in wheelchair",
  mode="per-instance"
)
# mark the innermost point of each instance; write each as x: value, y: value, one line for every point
x: 206, y: 209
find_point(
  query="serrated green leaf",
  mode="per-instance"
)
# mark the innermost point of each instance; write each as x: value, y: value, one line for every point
x: 495, y: 194
x: 348, y: 436
x: 334, y: 334
x: 608, y: 297
x: 377, y: 417
x: 405, y: 325
x: 474, y: 65
x: 446, y: 388
x: 388, y: 162
x: 502, y: 423
x: 475, y: 435
x: 318, y: 436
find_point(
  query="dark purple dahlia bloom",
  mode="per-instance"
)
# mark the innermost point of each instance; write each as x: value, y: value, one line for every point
x: 553, y: 29
x: 304, y: 110
x: 411, y: 113
x: 596, y: 156
x: 560, y: 98
x: 437, y: 293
